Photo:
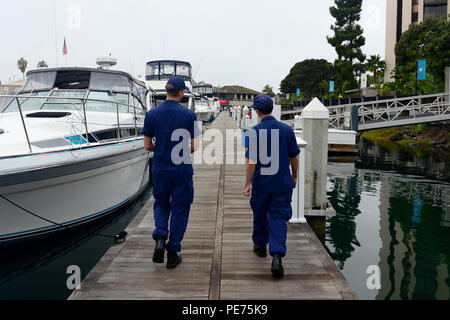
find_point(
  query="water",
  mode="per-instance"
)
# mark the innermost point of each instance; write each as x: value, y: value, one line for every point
x: 393, y: 211
x: 39, y: 271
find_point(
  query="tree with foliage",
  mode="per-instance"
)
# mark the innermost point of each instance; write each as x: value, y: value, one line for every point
x: 42, y: 64
x: 347, y: 40
x: 22, y: 64
x: 376, y: 65
x: 434, y: 33
x: 269, y: 90
x: 307, y: 76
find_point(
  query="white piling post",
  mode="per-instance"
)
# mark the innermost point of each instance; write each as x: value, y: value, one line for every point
x: 277, y: 112
x: 239, y: 116
x: 315, y: 133
x: 245, y: 117
x: 298, y: 197
x: 255, y: 118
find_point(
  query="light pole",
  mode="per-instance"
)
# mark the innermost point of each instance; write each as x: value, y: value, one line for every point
x: 419, y: 46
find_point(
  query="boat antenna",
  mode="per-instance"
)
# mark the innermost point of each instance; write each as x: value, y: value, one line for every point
x: 198, y: 67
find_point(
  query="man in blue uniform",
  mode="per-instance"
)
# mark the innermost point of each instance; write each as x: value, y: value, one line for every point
x: 272, y: 151
x: 174, y: 128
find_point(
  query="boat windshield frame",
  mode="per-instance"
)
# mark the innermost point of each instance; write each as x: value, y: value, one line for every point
x: 43, y: 86
x: 165, y: 69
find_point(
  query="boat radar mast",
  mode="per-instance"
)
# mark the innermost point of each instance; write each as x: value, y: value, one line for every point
x: 106, y: 62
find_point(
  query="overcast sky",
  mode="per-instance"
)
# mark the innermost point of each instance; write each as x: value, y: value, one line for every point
x: 245, y: 42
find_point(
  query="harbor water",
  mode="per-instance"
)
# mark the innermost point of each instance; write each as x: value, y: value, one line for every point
x: 39, y: 270
x: 393, y: 220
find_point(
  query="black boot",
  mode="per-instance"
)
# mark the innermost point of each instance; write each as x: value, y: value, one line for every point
x: 160, y: 248
x: 277, y: 266
x: 173, y: 259
x: 260, y: 251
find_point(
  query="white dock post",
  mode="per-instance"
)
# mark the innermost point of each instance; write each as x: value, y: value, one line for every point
x: 298, y: 197
x: 239, y: 116
x: 255, y: 119
x: 315, y: 133
x: 277, y: 112
x: 245, y: 118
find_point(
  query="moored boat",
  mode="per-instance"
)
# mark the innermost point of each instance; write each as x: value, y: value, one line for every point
x: 158, y: 72
x: 71, y: 150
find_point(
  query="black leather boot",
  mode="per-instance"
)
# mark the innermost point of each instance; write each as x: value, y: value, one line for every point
x: 173, y: 259
x: 277, y: 266
x: 160, y: 248
x: 260, y: 251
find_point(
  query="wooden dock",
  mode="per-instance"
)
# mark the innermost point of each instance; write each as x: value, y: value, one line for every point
x: 218, y: 259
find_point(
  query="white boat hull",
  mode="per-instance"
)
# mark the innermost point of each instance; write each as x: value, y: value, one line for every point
x: 204, y: 116
x: 74, y: 198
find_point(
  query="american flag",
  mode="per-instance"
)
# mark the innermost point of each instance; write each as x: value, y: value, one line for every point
x: 65, y: 48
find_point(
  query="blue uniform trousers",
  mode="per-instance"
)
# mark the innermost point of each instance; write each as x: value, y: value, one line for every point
x: 173, y: 200
x: 271, y: 212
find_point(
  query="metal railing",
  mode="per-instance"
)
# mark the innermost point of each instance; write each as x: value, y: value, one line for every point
x: 390, y: 112
x: 75, y: 101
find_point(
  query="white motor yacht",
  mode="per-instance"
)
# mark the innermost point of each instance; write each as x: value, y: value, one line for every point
x: 203, y: 109
x: 157, y: 74
x: 207, y: 90
x: 71, y: 150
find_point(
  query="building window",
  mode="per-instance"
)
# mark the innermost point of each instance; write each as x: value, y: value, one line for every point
x: 435, y: 9
x: 415, y: 11
x: 399, y: 19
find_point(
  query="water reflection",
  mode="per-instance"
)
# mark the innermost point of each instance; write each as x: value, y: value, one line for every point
x: 38, y: 270
x: 389, y: 216
x: 387, y: 156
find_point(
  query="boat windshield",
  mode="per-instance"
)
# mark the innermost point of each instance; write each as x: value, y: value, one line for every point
x: 203, y: 90
x: 160, y: 70
x: 201, y: 103
x: 159, y: 100
x: 72, y: 99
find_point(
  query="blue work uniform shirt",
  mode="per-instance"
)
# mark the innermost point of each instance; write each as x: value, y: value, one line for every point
x: 282, y: 180
x: 160, y: 123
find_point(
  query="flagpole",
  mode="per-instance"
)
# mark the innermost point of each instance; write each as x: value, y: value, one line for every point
x: 56, y: 40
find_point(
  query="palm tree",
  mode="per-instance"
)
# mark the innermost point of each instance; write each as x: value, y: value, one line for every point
x: 268, y: 90
x: 376, y: 65
x: 22, y: 64
x: 42, y: 64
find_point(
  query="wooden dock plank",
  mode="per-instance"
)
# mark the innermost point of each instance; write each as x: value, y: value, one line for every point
x: 218, y: 258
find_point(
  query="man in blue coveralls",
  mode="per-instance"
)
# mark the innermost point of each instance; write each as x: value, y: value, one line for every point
x: 174, y: 128
x: 271, y: 151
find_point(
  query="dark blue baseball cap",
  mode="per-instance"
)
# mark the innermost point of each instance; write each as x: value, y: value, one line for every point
x: 263, y: 103
x: 176, y: 84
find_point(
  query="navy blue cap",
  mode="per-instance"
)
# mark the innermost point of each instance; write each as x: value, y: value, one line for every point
x: 176, y: 84
x: 263, y: 103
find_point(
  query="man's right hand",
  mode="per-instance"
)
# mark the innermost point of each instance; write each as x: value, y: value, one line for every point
x: 247, y: 190
x: 295, y: 182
